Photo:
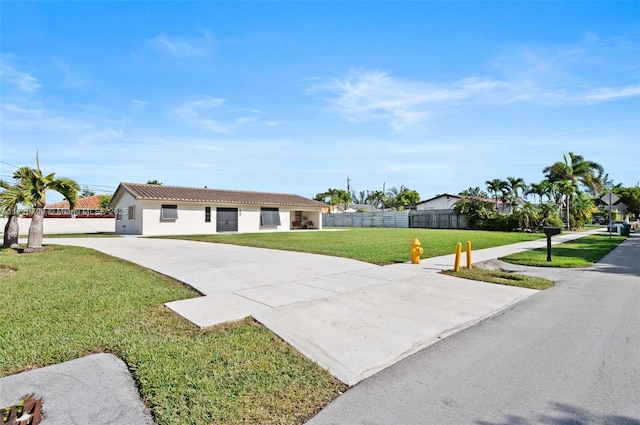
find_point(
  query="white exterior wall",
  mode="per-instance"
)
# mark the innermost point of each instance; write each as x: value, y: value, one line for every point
x: 190, y: 219
x: 440, y: 203
x: 53, y: 226
x: 126, y: 226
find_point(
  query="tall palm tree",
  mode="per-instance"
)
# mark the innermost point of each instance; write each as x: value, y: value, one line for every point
x: 514, y: 185
x: 36, y: 186
x: 536, y: 189
x: 576, y: 169
x: 566, y: 188
x: 496, y: 186
x: 12, y: 196
x: 375, y: 198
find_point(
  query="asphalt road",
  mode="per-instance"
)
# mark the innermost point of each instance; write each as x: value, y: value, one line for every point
x: 567, y: 355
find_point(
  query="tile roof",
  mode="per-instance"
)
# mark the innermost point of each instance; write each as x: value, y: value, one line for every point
x: 155, y: 192
x: 88, y: 203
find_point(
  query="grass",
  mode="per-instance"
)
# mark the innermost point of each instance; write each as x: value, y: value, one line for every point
x: 502, y: 278
x: 67, y: 302
x: 581, y: 252
x: 374, y: 245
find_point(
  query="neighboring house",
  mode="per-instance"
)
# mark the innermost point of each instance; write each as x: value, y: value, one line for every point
x: 85, y: 207
x: 447, y: 201
x: 146, y: 209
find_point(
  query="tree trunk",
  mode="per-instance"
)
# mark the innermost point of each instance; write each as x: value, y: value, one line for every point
x: 568, y: 219
x: 11, y: 232
x: 36, y: 229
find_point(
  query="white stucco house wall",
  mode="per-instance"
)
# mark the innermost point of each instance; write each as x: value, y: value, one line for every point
x: 157, y: 210
x: 445, y: 201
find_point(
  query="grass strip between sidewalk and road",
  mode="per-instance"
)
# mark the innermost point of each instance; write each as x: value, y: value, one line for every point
x: 67, y: 302
x: 582, y: 252
x: 502, y: 278
x: 380, y: 246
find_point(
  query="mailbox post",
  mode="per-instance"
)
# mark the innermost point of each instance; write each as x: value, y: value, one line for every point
x: 550, y: 231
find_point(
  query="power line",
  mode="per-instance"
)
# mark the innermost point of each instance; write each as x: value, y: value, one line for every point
x: 15, y: 166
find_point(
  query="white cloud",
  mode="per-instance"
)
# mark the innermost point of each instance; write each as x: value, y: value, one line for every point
x: 211, y: 114
x: 23, y: 81
x: 364, y: 96
x: 137, y: 104
x: 183, y: 46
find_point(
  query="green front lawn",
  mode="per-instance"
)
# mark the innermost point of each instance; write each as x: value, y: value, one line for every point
x: 67, y: 302
x: 374, y: 245
x: 582, y: 252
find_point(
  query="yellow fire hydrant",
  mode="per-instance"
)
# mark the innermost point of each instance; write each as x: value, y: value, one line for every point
x: 416, y: 251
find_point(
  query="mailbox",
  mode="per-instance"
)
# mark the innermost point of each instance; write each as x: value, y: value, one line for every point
x: 550, y: 231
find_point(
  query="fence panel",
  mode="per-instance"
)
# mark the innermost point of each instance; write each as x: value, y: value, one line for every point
x: 437, y: 219
x: 398, y: 219
x: 429, y: 219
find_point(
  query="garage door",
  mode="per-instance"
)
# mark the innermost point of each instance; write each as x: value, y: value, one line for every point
x: 227, y: 220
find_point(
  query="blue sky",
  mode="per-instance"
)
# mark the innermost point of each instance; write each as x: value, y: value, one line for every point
x: 295, y: 97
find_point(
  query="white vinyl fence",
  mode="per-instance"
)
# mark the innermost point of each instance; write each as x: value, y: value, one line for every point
x: 66, y: 225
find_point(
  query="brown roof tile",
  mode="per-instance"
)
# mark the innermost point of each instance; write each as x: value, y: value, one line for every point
x: 215, y: 196
x: 88, y: 203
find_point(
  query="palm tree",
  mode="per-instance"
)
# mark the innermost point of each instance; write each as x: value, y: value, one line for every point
x: 528, y: 215
x: 375, y: 198
x: 12, y: 196
x: 566, y: 188
x: 474, y: 192
x: 36, y: 186
x: 576, y: 169
x: 582, y: 209
x: 514, y: 184
x: 537, y: 189
x: 496, y: 186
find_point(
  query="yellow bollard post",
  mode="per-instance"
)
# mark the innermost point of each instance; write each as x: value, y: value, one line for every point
x: 469, y: 255
x: 456, y: 266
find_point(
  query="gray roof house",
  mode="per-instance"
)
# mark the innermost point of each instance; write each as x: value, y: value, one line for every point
x: 154, y: 210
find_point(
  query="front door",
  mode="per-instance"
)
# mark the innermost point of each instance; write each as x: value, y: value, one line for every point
x: 226, y: 220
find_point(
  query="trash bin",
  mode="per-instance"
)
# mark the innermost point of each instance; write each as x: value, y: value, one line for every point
x: 626, y: 230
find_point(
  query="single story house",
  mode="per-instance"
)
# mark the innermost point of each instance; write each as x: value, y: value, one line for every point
x: 85, y: 207
x: 155, y: 210
x: 447, y: 201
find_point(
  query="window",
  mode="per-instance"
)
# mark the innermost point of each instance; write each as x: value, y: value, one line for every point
x: 269, y: 217
x: 132, y: 212
x: 169, y: 212
x: 207, y: 214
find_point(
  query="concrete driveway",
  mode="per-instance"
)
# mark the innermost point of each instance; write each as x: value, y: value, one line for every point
x: 352, y: 318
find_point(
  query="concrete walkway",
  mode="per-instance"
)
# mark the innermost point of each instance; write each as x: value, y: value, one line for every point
x: 353, y: 318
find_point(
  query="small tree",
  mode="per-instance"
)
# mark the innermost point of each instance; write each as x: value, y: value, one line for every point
x: 35, y: 184
x: 474, y: 209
